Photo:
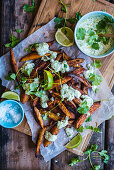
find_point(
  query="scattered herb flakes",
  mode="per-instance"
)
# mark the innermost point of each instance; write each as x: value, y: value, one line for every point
x: 27, y: 8
x: 81, y: 32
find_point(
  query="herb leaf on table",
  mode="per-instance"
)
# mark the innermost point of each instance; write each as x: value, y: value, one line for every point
x: 27, y: 8
x: 89, y: 152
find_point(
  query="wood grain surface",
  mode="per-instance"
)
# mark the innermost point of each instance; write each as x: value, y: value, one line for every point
x: 17, y: 149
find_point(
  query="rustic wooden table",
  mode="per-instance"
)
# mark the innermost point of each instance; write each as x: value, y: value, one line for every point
x: 16, y: 149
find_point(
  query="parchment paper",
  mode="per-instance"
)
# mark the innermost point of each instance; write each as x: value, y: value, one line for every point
x: 106, y: 110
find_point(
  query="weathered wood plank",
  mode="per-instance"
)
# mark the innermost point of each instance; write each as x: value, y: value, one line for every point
x: 17, y: 150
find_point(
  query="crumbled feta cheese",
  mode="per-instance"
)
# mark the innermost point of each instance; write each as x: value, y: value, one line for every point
x: 44, y: 98
x: 58, y: 114
x: 62, y: 123
x: 60, y: 66
x: 90, y: 70
x: 88, y: 99
x: 50, y: 137
x: 69, y: 132
x: 69, y: 92
x: 27, y: 68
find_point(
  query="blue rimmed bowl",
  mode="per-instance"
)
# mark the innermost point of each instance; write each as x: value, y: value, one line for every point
x: 11, y: 113
x: 90, y: 14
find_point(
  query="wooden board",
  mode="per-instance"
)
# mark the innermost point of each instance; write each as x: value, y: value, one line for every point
x: 48, y: 9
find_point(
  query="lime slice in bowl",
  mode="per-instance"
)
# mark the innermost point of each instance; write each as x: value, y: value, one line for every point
x: 74, y: 142
x: 10, y: 95
x: 65, y: 36
x: 48, y: 79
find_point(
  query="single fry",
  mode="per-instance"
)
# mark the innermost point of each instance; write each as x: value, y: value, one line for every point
x: 83, y: 117
x: 33, y: 102
x: 84, y: 81
x: 65, y: 56
x: 53, y: 116
x: 59, y: 56
x: 64, y: 109
x: 53, y: 131
x: 39, y: 141
x: 38, y: 117
x: 13, y: 62
x: 32, y: 56
x: 70, y: 103
x: 23, y: 96
x: 62, y: 81
x: 76, y: 100
x: 75, y: 62
x: 84, y: 89
x: 79, y: 71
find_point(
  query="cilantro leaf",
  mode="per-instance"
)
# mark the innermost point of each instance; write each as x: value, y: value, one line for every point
x: 39, y: 93
x: 7, y: 45
x: 28, y: 8
x: 19, y: 31
x: 31, y: 46
x: 58, y: 20
x: 13, y: 41
x: 91, y: 32
x: 74, y: 161
x: 96, y: 129
x: 97, y: 63
x: 64, y: 6
x: 80, y: 129
x: 94, y: 147
x: 96, y: 167
x: 81, y: 32
x: 83, y: 110
x: 89, y: 119
x: 76, y: 19
x: 95, y: 46
x: 10, y: 76
x: 95, y: 79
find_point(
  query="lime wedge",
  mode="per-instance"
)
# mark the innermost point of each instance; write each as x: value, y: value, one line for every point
x: 65, y: 36
x: 74, y: 142
x: 10, y: 95
x: 48, y: 79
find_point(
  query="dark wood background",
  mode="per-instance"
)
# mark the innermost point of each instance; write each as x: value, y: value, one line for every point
x: 16, y: 149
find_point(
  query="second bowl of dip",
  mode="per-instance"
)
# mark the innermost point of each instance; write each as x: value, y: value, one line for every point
x: 89, y: 40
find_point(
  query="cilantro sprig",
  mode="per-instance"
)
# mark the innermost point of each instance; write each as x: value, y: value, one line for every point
x: 90, y: 153
x: 27, y: 8
x: 83, y: 108
x: 96, y: 129
x: 31, y: 46
x: 62, y: 22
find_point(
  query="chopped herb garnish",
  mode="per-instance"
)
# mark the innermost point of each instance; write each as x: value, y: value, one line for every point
x: 45, y: 117
x: 27, y: 8
x: 95, y: 46
x: 10, y: 76
x: 81, y: 32
x: 97, y: 63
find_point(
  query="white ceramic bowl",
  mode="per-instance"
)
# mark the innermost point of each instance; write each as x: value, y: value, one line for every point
x: 94, y: 13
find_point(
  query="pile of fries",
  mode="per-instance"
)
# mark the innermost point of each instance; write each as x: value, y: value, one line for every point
x: 64, y: 107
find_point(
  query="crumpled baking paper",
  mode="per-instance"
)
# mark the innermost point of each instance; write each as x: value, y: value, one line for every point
x: 45, y: 34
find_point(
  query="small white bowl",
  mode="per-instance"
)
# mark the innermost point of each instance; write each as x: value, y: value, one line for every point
x: 90, y: 14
